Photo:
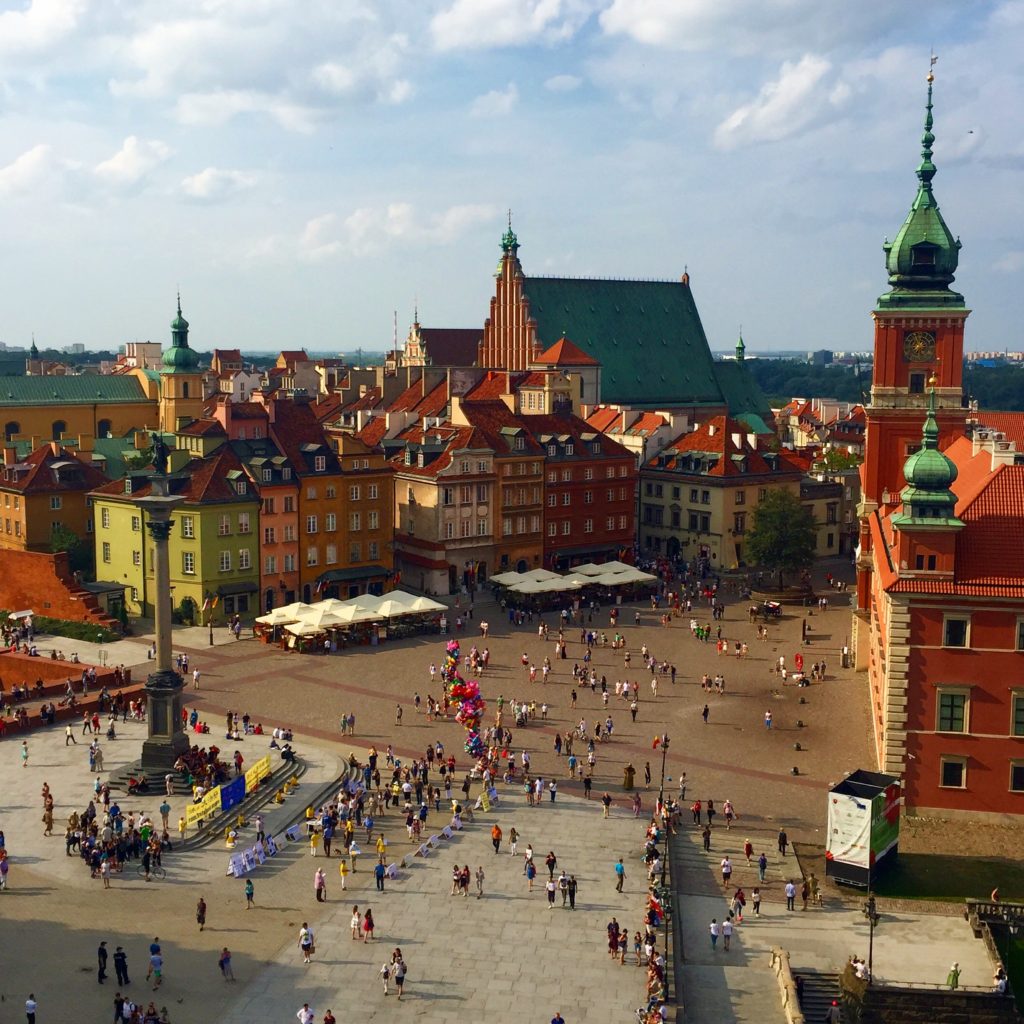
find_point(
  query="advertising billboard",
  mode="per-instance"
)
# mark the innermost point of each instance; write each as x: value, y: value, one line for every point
x: 863, y: 826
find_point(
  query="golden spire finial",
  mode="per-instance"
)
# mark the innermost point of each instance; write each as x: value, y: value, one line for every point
x: 931, y: 64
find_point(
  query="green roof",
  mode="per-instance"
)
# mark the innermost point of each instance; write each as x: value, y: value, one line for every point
x: 741, y: 392
x: 647, y: 335
x: 84, y: 390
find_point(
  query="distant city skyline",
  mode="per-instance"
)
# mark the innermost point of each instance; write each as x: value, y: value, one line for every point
x: 302, y: 173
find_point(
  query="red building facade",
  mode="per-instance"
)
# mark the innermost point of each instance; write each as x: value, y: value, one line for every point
x: 940, y: 577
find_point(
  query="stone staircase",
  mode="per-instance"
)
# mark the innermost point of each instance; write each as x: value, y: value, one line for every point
x: 818, y: 992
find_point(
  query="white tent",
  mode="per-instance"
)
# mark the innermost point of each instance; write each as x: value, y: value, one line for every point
x: 323, y: 618
x: 425, y: 604
x: 589, y: 569
x: 285, y: 614
x: 616, y: 566
x: 506, y: 579
x: 303, y: 628
x: 541, y: 575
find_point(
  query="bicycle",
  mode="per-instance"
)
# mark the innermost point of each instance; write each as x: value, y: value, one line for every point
x: 155, y: 871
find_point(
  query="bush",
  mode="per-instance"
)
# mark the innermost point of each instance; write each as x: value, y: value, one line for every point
x: 74, y: 630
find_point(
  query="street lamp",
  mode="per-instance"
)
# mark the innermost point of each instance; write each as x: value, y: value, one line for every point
x: 872, y: 915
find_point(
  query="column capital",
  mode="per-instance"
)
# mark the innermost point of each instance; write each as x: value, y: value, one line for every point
x: 159, y: 529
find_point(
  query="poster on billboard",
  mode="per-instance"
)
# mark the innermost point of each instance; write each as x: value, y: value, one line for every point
x: 863, y: 826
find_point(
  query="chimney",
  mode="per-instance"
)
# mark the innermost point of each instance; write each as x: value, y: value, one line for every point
x: 85, y: 444
x: 10, y: 456
x: 141, y: 440
x: 55, y: 447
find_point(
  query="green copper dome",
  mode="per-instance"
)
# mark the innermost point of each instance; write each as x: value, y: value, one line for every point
x: 927, y: 498
x: 923, y: 257
x: 179, y: 358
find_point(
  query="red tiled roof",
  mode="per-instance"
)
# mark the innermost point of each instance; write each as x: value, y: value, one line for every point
x: 248, y: 411
x: 492, y: 385
x: 490, y: 417
x: 715, y: 437
x: 435, y: 401
x: 371, y: 399
x: 408, y: 399
x: 548, y: 423
x: 204, y: 428
x: 603, y: 419
x: 421, y: 560
x: 373, y: 433
x: 453, y: 438
x: 327, y: 407
x: 295, y: 425
x: 1010, y: 423
x: 201, y: 480
x: 41, y: 476
x: 565, y: 353
x: 646, y: 424
x: 297, y: 355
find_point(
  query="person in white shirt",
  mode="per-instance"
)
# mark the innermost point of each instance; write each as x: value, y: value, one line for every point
x: 726, y: 934
x: 306, y: 1014
x: 714, y: 933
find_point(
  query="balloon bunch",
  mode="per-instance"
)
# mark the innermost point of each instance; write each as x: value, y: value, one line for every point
x: 466, y: 695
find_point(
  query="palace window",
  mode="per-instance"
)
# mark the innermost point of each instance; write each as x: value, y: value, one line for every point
x: 225, y: 561
x: 312, y: 556
x: 188, y: 562
x: 956, y: 631
x: 1017, y: 723
x: 953, y: 772
x: 1017, y: 776
x: 953, y: 708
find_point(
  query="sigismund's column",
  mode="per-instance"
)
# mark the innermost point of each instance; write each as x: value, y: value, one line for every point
x: 167, y: 739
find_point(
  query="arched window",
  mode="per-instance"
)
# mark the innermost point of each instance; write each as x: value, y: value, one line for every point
x: 184, y: 389
x: 57, y: 428
x: 103, y: 428
x: 10, y: 429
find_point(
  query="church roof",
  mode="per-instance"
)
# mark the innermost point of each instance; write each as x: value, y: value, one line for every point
x: 646, y: 335
x: 451, y: 346
x: 79, y: 390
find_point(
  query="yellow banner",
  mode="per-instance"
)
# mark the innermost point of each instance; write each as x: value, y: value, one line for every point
x: 485, y: 801
x: 206, y: 808
x: 259, y: 771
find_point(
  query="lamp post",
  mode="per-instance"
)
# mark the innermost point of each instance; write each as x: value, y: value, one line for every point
x: 872, y: 915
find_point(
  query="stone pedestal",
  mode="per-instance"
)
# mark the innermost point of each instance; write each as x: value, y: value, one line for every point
x: 167, y: 738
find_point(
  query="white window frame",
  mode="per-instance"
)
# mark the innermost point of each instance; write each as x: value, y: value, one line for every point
x: 953, y: 759
x: 957, y: 617
x: 244, y: 558
x: 188, y: 563
x: 953, y: 691
x: 224, y: 560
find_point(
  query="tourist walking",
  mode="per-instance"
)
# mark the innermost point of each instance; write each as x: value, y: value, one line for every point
x: 201, y: 913
x: 620, y: 875
x: 306, y: 943
x: 790, y: 895
x: 224, y: 963
x: 320, y: 885
x: 714, y: 929
x: 121, y: 966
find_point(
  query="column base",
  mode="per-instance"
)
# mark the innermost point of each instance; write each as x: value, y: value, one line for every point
x: 160, y: 752
x: 167, y: 740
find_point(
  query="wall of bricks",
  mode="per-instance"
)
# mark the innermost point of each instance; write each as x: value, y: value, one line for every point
x: 43, y: 583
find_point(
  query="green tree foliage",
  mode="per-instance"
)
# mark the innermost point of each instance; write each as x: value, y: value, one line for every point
x: 80, y: 554
x: 782, y: 538
x: 782, y: 379
x: 834, y: 460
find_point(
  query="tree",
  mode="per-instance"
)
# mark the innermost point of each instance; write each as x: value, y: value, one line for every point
x: 80, y: 554
x: 783, y: 537
x: 834, y: 460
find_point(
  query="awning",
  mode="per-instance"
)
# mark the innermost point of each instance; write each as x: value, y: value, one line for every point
x: 230, y: 589
x: 586, y: 549
x: 102, y: 587
x: 366, y: 572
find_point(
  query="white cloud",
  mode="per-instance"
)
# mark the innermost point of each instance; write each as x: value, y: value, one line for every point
x: 213, y: 184
x: 495, y: 103
x: 316, y: 242
x: 133, y: 161
x: 783, y: 107
x: 1011, y: 263
x: 38, y: 27
x: 213, y: 109
x: 28, y: 171
x: 563, y: 83
x: 480, y: 24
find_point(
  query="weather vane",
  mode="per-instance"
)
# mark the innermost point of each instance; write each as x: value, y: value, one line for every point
x: 931, y: 64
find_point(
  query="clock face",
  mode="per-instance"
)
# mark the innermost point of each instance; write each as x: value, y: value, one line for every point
x: 919, y: 346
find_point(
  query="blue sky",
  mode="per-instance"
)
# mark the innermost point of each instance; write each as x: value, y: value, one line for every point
x: 303, y: 169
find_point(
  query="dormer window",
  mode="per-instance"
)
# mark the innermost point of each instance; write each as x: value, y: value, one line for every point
x: 923, y: 256
x: 240, y: 487
x: 520, y: 442
x: 552, y: 451
x: 320, y: 463
x: 127, y: 485
x: 570, y: 448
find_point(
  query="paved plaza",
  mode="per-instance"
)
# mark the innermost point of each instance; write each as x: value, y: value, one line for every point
x: 465, y: 956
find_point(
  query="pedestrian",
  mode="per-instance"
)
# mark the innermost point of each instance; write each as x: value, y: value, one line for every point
x: 400, y: 972
x: 606, y: 802
x: 343, y: 872
x: 768, y: 719
x: 69, y: 736
x: 398, y: 714
x: 531, y: 874
x: 356, y: 922
x: 550, y: 887
x: 30, y: 1008
x: 572, y: 888
x: 379, y: 871
x: 790, y: 895
x: 762, y: 866
x: 726, y: 933
x: 953, y: 978
x: 306, y: 1014
x: 833, y: 1015
x: 306, y: 943
x: 713, y: 928
x: 224, y: 963
x: 480, y: 881
x: 385, y: 975
x: 748, y: 850
x: 195, y: 679
x: 805, y: 893
x: 755, y: 899
x: 156, y: 968
x: 620, y: 875
x: 320, y: 885
x: 24, y: 764
x: 513, y: 840
x: 368, y: 925
x: 783, y: 841
x: 726, y: 870
x: 201, y: 913
x: 250, y: 892
x: 704, y: 714
x: 101, y: 963
x: 706, y: 836
x: 496, y: 836
x: 121, y: 966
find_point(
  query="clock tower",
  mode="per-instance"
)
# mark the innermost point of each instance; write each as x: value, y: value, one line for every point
x: 919, y: 338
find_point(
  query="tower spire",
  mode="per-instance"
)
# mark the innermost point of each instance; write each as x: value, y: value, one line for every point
x: 926, y: 169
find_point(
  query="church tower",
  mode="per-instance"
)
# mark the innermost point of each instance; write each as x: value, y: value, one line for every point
x: 181, y: 379
x: 919, y: 335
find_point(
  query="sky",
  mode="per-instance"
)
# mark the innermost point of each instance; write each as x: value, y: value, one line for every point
x: 304, y: 171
